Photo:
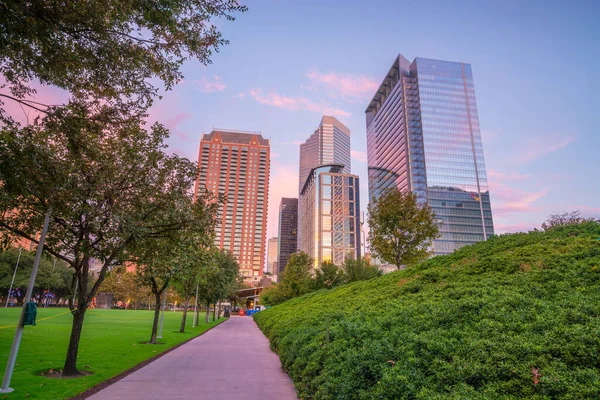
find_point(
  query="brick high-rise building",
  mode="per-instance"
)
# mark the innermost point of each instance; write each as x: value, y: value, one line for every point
x: 236, y: 164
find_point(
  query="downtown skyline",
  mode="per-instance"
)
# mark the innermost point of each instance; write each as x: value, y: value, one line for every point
x: 533, y: 125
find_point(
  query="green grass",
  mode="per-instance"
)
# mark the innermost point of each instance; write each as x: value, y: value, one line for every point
x: 110, y: 344
x: 516, y: 317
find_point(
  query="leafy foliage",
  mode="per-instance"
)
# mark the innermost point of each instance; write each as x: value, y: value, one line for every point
x: 565, y: 219
x: 359, y: 270
x: 125, y: 287
x: 327, y: 277
x: 110, y: 185
x: 56, y: 278
x: 401, y: 229
x: 110, y: 49
x: 299, y: 278
x: 514, y: 317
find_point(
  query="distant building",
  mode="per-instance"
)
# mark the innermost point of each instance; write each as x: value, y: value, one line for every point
x: 272, y: 249
x: 329, y: 144
x: 330, y: 219
x: 328, y: 206
x: 288, y: 231
x: 423, y: 136
x: 236, y: 164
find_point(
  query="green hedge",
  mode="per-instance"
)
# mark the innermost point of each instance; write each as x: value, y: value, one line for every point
x: 485, y: 322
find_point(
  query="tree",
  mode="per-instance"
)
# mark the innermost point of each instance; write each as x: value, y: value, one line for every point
x: 193, y: 257
x: 296, y: 280
x: 564, y: 219
x: 216, y: 280
x: 327, y: 277
x: 297, y: 273
x: 124, y: 287
x: 159, y: 262
x: 359, y: 270
x: 109, y: 183
x: 114, y: 49
x: 401, y: 230
x: 50, y: 276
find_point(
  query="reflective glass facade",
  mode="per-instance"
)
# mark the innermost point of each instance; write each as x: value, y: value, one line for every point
x: 329, y: 144
x: 288, y: 231
x: 423, y: 135
x: 330, y: 223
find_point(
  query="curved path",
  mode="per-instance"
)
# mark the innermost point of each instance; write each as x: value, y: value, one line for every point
x: 231, y: 361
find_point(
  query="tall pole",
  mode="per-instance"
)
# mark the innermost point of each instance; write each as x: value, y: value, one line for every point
x: 195, y: 324
x: 162, y: 316
x: 12, y: 358
x: 13, y: 279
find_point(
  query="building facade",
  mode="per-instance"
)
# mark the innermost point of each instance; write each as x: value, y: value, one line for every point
x: 236, y: 164
x: 330, y: 220
x: 423, y: 136
x: 288, y: 231
x: 329, y: 144
x: 272, y: 249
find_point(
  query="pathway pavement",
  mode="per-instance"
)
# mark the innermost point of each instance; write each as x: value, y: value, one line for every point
x: 231, y: 361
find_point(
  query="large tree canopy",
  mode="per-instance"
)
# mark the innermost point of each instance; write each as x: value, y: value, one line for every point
x: 109, y: 49
x: 110, y: 186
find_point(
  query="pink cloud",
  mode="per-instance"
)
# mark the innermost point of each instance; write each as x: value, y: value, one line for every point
x: 512, y: 228
x: 359, y: 156
x: 347, y: 86
x: 295, y: 103
x: 208, y: 85
x: 494, y: 175
x: 534, y: 148
x: 43, y: 97
x: 509, y: 200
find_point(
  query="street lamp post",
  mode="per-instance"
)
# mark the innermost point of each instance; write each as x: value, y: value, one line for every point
x: 12, y: 358
x: 13, y: 278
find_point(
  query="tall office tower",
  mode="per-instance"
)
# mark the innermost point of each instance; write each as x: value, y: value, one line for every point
x: 330, y: 218
x: 236, y: 164
x: 330, y: 144
x: 423, y: 136
x: 288, y: 231
x: 272, y: 248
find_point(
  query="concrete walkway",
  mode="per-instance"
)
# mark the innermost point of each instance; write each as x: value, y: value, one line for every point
x: 231, y: 361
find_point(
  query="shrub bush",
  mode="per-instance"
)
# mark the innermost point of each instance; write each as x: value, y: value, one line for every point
x: 517, y: 316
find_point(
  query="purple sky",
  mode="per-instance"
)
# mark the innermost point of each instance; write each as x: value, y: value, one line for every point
x: 535, y: 65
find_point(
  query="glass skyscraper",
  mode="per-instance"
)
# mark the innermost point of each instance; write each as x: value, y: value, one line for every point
x: 329, y: 227
x: 330, y: 143
x: 423, y: 135
x: 328, y: 204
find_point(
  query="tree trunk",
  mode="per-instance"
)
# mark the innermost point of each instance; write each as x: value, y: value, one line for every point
x: 214, y: 310
x: 207, y: 313
x: 219, y: 314
x: 184, y: 316
x: 70, y: 368
x: 156, y: 314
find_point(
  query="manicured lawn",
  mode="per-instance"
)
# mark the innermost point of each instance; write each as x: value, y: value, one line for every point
x: 110, y: 344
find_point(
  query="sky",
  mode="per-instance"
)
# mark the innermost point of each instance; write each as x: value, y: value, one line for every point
x: 535, y: 66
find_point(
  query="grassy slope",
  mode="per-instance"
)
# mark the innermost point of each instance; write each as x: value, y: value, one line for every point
x: 110, y: 344
x: 471, y: 325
